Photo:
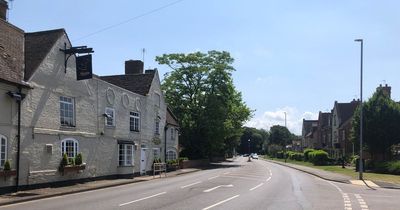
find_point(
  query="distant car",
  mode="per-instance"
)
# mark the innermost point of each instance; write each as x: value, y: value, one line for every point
x: 245, y: 155
x: 254, y: 156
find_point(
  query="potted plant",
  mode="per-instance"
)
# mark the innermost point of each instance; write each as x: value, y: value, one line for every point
x: 6, y: 172
x: 71, y: 165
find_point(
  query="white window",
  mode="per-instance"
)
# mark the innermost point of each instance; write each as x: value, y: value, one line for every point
x: 157, y: 127
x: 171, y: 155
x: 156, y: 153
x: 134, y: 121
x: 70, y: 147
x: 110, y: 116
x: 3, y: 150
x: 67, y: 111
x: 125, y: 157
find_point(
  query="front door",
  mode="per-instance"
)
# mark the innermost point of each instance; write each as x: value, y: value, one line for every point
x: 143, y: 161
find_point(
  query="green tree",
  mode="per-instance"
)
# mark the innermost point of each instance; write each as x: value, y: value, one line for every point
x: 257, y: 137
x: 200, y: 91
x: 381, y: 125
x: 280, y: 135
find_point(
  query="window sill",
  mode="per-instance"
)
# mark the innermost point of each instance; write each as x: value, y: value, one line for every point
x: 110, y: 126
x: 134, y: 131
x: 68, y: 128
x: 126, y: 166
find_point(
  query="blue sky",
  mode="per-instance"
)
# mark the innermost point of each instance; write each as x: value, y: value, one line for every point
x: 290, y: 56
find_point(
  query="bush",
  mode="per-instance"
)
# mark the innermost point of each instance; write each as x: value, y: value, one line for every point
x: 280, y: 155
x: 318, y: 157
x: 78, y: 159
x: 7, y: 166
x: 306, y: 152
x: 393, y: 167
x: 295, y: 155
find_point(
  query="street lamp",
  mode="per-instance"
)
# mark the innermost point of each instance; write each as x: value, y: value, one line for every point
x: 360, y: 164
x: 249, y: 151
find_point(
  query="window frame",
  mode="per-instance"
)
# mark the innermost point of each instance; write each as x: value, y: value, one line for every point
x: 157, y: 126
x: 64, y: 147
x: 171, y: 151
x: 125, y: 161
x: 112, y: 117
x: 63, y: 111
x: 2, y: 162
x: 132, y: 123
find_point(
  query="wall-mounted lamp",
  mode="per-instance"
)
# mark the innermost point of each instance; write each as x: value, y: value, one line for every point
x: 16, y: 96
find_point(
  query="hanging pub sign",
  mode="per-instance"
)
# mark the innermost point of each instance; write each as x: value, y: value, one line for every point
x: 84, y: 67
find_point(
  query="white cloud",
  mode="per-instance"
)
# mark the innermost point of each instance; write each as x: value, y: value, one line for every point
x: 294, y: 119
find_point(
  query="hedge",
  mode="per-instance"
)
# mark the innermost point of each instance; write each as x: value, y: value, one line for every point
x: 295, y: 155
x: 318, y: 157
x: 306, y: 152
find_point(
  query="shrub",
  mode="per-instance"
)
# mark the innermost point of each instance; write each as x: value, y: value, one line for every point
x: 318, y: 157
x: 64, y: 160
x: 7, y: 166
x: 393, y: 167
x: 295, y: 156
x: 280, y: 155
x: 78, y: 159
x: 306, y: 152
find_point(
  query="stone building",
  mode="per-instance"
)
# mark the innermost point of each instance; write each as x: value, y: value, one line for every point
x: 119, y: 123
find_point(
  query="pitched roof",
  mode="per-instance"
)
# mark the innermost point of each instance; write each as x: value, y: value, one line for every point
x: 11, y: 53
x: 171, y: 119
x: 37, y: 46
x: 323, y: 119
x: 308, y: 126
x: 346, y: 110
x: 137, y: 83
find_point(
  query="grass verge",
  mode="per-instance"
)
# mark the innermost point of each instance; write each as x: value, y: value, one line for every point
x: 348, y: 171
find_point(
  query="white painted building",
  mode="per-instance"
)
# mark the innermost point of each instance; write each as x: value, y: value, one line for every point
x: 119, y: 123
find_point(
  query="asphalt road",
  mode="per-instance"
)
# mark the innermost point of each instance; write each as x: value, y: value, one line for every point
x: 234, y: 185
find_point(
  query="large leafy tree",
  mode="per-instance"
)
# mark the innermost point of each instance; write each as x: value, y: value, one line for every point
x: 280, y: 135
x: 381, y: 125
x: 200, y: 91
x: 258, y: 140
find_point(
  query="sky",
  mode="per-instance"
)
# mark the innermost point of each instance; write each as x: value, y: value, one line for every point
x: 291, y: 56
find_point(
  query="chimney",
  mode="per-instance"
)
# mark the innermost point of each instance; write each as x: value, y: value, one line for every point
x: 3, y: 9
x: 385, y: 89
x: 134, y: 67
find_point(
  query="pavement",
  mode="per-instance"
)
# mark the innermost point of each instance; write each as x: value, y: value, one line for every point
x: 41, y: 193
x: 330, y: 176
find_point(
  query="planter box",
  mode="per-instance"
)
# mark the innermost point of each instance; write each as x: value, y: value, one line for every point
x: 8, y: 173
x: 70, y: 168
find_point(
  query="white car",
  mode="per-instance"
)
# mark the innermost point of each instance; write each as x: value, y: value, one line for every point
x: 254, y: 156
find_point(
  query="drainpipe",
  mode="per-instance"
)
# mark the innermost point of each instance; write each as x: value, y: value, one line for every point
x: 165, y: 143
x: 18, y: 96
x: 19, y: 137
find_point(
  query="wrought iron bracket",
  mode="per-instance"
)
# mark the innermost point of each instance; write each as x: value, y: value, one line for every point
x: 72, y: 51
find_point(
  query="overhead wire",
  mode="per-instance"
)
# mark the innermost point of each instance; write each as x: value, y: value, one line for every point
x: 130, y: 19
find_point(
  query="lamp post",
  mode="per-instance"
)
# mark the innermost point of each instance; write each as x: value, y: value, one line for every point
x: 360, y: 164
x: 249, y: 151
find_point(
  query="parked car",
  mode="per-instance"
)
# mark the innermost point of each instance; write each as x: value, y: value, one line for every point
x: 254, y: 156
x: 245, y: 155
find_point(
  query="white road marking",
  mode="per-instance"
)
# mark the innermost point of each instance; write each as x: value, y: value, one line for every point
x: 226, y: 173
x: 361, y: 202
x: 158, y: 194
x: 269, y: 178
x: 241, y: 177
x: 211, y: 189
x: 347, y: 205
x: 213, y: 177
x: 190, y: 185
x: 221, y: 202
x: 256, y: 186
